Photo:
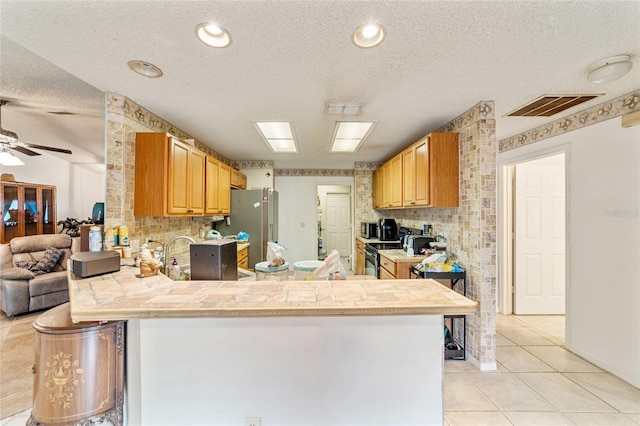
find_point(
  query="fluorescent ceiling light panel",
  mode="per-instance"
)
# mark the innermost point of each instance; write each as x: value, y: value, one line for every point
x: 278, y: 135
x: 349, y: 135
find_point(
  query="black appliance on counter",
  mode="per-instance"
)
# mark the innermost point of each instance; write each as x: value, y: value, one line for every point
x: 388, y: 230
x: 369, y: 230
x: 372, y: 257
x: 214, y: 260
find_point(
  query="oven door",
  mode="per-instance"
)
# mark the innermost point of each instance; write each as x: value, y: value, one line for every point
x: 371, y: 262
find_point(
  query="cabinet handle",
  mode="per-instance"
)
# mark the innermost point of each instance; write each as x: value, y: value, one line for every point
x: 189, y: 211
x: 33, y: 369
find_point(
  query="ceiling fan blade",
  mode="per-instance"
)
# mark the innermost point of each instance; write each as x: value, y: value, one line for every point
x: 24, y: 150
x: 48, y: 148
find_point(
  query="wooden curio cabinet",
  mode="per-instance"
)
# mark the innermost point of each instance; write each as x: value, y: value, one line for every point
x: 26, y: 209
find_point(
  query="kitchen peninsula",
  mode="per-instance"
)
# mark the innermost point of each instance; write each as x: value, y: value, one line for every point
x: 291, y: 352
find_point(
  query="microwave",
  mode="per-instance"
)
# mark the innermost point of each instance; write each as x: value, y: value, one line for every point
x: 369, y: 230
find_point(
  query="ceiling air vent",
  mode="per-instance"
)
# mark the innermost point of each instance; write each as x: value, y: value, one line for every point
x: 548, y: 105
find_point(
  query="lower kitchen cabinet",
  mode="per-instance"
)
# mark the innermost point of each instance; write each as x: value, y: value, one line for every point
x: 360, y: 257
x: 395, y: 270
x: 79, y: 371
x: 243, y: 257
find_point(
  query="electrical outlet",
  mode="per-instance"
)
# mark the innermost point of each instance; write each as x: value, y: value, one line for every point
x: 252, y: 421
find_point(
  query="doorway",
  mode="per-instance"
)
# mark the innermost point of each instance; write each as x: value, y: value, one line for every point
x: 335, y: 227
x: 534, y: 234
x: 539, y: 236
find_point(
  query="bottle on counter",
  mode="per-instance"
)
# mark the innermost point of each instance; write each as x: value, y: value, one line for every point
x: 116, y: 237
x: 175, y: 270
x: 108, y: 238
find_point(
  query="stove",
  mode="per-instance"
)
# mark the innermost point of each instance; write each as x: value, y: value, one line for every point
x: 372, y: 257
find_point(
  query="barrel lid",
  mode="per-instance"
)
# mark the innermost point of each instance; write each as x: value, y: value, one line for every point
x: 307, y: 265
x: 59, y: 318
x: 264, y: 267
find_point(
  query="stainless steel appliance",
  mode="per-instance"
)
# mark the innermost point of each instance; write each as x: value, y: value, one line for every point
x: 214, y: 260
x: 369, y: 230
x: 254, y: 211
x: 388, y: 230
x: 372, y: 257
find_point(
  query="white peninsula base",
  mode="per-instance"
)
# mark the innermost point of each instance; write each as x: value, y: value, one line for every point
x: 378, y: 370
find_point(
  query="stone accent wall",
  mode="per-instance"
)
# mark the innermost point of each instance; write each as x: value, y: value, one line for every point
x: 469, y: 228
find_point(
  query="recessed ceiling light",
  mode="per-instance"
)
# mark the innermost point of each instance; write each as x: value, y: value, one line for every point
x: 212, y: 35
x: 278, y: 135
x: 145, y: 68
x: 368, y: 35
x: 349, y: 135
x: 609, y: 69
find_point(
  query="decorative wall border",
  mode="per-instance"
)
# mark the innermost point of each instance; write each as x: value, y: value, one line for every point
x: 312, y: 172
x: 361, y: 165
x: 483, y: 110
x: 252, y: 164
x: 601, y: 112
x: 117, y: 104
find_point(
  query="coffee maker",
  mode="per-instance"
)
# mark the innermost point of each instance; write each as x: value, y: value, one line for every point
x: 387, y: 230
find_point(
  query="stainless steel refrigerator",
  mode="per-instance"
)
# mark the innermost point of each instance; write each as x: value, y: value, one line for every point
x: 254, y: 211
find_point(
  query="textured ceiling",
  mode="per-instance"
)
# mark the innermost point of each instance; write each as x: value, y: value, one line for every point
x: 288, y: 58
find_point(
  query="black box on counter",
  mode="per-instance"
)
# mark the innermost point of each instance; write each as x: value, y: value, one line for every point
x: 215, y: 260
x: 89, y: 263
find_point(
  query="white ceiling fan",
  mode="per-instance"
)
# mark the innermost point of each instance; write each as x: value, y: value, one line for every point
x: 9, y: 139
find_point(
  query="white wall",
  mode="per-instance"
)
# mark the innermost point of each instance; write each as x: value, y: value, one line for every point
x: 298, y: 213
x: 77, y: 188
x: 603, y: 243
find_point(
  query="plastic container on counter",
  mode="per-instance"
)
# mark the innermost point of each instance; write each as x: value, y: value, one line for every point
x: 264, y: 272
x: 303, y: 270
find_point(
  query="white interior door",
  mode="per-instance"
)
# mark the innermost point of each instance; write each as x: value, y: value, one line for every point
x: 539, y: 267
x: 339, y: 233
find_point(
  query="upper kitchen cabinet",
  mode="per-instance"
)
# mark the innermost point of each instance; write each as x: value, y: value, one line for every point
x: 238, y: 180
x: 437, y: 170
x: 377, y: 188
x: 425, y: 174
x: 392, y: 183
x: 170, y: 177
x: 218, y: 184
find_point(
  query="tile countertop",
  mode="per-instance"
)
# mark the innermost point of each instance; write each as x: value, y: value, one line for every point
x: 122, y: 295
x: 399, y: 255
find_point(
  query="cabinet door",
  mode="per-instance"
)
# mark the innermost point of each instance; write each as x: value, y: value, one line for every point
x: 30, y: 212
x: 396, y: 181
x: 408, y: 178
x: 179, y: 154
x: 196, y: 185
x: 386, y: 275
x: 386, y: 185
x: 47, y: 210
x: 11, y: 212
x: 243, y: 181
x: 212, y: 183
x: 235, y: 178
x: 224, y: 189
x: 421, y: 159
x: 360, y: 261
x: 376, y: 183
x: 443, y: 170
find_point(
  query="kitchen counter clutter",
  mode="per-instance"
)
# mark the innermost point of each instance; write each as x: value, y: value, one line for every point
x: 122, y: 295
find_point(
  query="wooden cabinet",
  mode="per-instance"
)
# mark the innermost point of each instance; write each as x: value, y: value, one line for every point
x: 392, y: 183
x: 27, y: 209
x: 218, y: 188
x: 79, y: 371
x: 360, y: 257
x: 393, y: 269
x: 238, y: 179
x: 376, y: 184
x: 425, y: 174
x: 243, y: 257
x: 170, y: 177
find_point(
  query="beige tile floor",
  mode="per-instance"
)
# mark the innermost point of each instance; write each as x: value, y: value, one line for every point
x: 537, y: 383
